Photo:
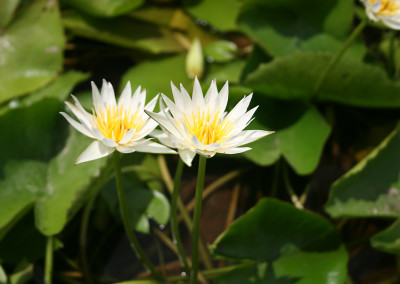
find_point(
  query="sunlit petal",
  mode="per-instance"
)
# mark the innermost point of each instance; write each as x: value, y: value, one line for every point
x: 96, y: 150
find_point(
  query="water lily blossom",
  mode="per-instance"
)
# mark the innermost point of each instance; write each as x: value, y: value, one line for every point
x: 118, y: 126
x: 201, y: 125
x: 387, y: 11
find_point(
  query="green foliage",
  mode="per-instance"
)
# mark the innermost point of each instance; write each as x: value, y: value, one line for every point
x: 104, y: 8
x: 275, y: 49
x: 283, y: 27
x: 31, y: 48
x: 276, y: 233
x: 351, y: 82
x: 371, y: 188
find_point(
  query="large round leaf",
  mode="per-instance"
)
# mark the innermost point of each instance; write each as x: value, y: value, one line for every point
x: 31, y: 49
x: 124, y: 32
x: 301, y: 142
x: 350, y: 82
x: 294, y: 241
x: 27, y: 138
x: 372, y: 187
x: 7, y: 9
x: 388, y: 240
x: 282, y: 27
x: 66, y: 185
x: 220, y: 14
x: 156, y: 76
x: 104, y: 8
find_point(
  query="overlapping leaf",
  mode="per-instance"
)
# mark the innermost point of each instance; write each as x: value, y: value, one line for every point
x: 31, y: 49
x: 350, y: 82
x: 371, y: 188
x: 291, y: 240
x: 283, y: 27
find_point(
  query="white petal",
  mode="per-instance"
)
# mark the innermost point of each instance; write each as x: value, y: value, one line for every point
x: 187, y: 102
x: 240, y: 108
x: 146, y: 129
x: 223, y: 97
x: 97, y: 134
x: 234, y: 150
x: 197, y: 144
x: 151, y: 105
x: 176, y: 112
x: 136, y: 98
x: 243, y: 121
x: 212, y: 93
x: 187, y: 156
x: 165, y: 123
x: 109, y: 142
x: 163, y: 137
x: 97, y: 100
x: 80, y: 127
x: 153, y: 147
x: 127, y: 137
x: 392, y: 22
x: 110, y: 96
x: 125, y: 149
x: 197, y: 97
x: 177, y: 97
x: 246, y: 137
x: 96, y: 150
x: 212, y: 147
x: 125, y: 97
x: 84, y: 117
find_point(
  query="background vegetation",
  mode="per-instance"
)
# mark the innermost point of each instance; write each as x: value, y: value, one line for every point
x: 316, y: 202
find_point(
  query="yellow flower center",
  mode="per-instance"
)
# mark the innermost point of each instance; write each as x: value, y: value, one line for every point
x: 207, y: 127
x: 114, y: 122
x: 388, y: 7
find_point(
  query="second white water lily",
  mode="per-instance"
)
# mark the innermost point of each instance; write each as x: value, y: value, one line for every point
x: 201, y: 125
x: 387, y: 11
x: 118, y: 126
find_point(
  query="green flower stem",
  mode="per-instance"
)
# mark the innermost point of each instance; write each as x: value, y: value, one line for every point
x: 48, y: 269
x: 184, y: 213
x: 196, y: 218
x: 208, y: 274
x: 174, y: 216
x: 94, y: 190
x: 125, y: 220
x: 339, y: 55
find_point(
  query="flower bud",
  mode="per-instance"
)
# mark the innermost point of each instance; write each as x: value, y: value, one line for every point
x: 195, y: 60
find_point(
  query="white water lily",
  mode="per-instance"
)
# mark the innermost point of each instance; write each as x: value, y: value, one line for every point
x: 201, y: 125
x: 387, y: 11
x: 118, y: 126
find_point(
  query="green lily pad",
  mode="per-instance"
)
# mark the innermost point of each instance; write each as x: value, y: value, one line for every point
x: 220, y: 14
x: 350, y: 82
x: 283, y: 27
x: 24, y: 183
x: 104, y: 8
x: 119, y: 31
x: 220, y: 51
x: 388, y: 240
x: 276, y: 232
x: 309, y: 131
x: 143, y: 204
x: 7, y: 10
x: 56, y: 189
x: 59, y: 89
x: 372, y: 187
x: 27, y: 63
x: 67, y: 185
x: 156, y: 76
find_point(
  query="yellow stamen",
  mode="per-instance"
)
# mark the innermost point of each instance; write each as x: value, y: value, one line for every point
x: 388, y: 7
x: 114, y: 122
x: 207, y: 127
